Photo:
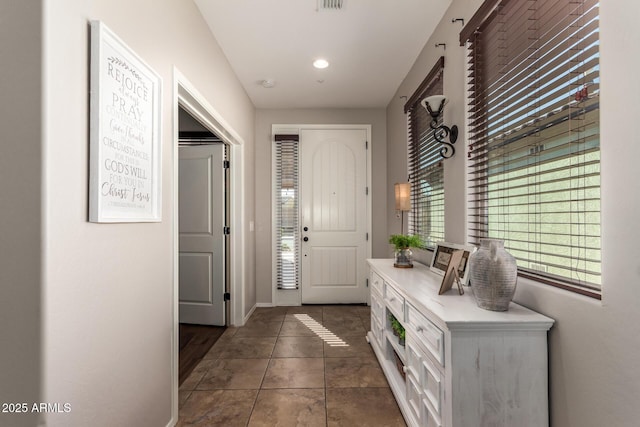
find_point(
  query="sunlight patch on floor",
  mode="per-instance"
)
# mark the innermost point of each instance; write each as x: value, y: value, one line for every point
x: 329, y: 337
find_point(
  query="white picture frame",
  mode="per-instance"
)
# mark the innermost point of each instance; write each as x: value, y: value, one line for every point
x: 442, y: 255
x: 125, y: 133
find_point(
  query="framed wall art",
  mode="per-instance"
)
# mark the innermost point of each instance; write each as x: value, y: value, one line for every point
x: 125, y: 133
x: 442, y: 256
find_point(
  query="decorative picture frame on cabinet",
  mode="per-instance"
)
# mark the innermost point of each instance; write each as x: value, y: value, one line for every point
x: 124, y: 133
x: 451, y: 274
x: 442, y: 256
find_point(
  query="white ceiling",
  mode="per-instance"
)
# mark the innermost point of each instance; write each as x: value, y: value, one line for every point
x: 370, y: 44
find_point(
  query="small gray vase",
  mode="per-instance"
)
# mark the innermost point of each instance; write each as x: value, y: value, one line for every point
x: 493, y: 274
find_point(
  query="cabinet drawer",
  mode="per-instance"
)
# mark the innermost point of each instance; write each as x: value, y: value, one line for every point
x: 377, y: 309
x: 376, y: 282
x: 427, y: 333
x: 431, y: 381
x: 394, y: 301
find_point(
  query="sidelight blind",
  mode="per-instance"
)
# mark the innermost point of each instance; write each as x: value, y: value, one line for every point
x: 426, y: 173
x: 534, y: 152
x: 286, y: 199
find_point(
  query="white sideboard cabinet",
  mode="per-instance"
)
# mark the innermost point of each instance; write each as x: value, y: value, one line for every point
x: 459, y: 365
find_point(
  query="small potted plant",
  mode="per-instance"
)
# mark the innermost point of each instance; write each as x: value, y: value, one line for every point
x: 398, y: 329
x: 403, y: 244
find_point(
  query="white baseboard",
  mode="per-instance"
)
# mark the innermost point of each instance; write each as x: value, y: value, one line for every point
x: 248, y: 315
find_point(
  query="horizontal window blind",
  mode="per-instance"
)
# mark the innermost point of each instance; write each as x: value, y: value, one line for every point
x: 426, y: 173
x: 534, y: 153
x: 286, y: 199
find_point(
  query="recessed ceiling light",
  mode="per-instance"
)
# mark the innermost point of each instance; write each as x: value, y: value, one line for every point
x: 268, y: 83
x: 321, y: 63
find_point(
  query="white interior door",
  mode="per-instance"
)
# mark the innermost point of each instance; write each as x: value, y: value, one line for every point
x: 201, y: 235
x: 333, y: 201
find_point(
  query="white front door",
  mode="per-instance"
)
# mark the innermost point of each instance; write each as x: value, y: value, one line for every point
x: 333, y: 201
x: 201, y: 235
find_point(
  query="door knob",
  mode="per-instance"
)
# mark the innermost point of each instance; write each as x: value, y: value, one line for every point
x: 305, y: 238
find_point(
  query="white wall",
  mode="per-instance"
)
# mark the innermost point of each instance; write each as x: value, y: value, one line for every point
x: 91, y: 304
x: 264, y: 120
x: 594, y: 345
x: 20, y: 206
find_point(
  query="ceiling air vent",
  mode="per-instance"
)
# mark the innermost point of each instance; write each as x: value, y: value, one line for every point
x: 329, y: 4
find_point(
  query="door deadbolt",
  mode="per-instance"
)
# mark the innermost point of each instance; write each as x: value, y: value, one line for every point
x: 305, y: 238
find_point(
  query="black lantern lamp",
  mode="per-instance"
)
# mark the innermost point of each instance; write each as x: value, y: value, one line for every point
x: 434, y: 105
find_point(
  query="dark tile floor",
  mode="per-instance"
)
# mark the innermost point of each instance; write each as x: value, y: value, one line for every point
x: 291, y: 366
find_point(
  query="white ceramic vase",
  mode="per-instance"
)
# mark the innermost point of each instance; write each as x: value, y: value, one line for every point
x: 493, y: 274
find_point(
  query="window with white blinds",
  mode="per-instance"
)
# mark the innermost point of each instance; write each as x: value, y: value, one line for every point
x: 534, y: 149
x: 426, y: 172
x: 286, y: 199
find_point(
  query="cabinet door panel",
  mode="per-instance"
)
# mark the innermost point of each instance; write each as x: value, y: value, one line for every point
x: 431, y: 381
x: 414, y: 396
x: 377, y: 309
x: 429, y: 419
x: 376, y: 329
x: 413, y: 358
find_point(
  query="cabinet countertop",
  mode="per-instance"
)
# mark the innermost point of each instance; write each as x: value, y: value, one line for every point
x: 420, y: 285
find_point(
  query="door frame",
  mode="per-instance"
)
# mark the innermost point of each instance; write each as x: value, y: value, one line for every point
x: 290, y: 297
x: 187, y: 96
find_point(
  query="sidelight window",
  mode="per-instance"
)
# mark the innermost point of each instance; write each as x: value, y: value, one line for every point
x: 286, y: 210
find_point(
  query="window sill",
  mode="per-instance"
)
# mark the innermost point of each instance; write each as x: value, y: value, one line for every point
x: 575, y: 289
